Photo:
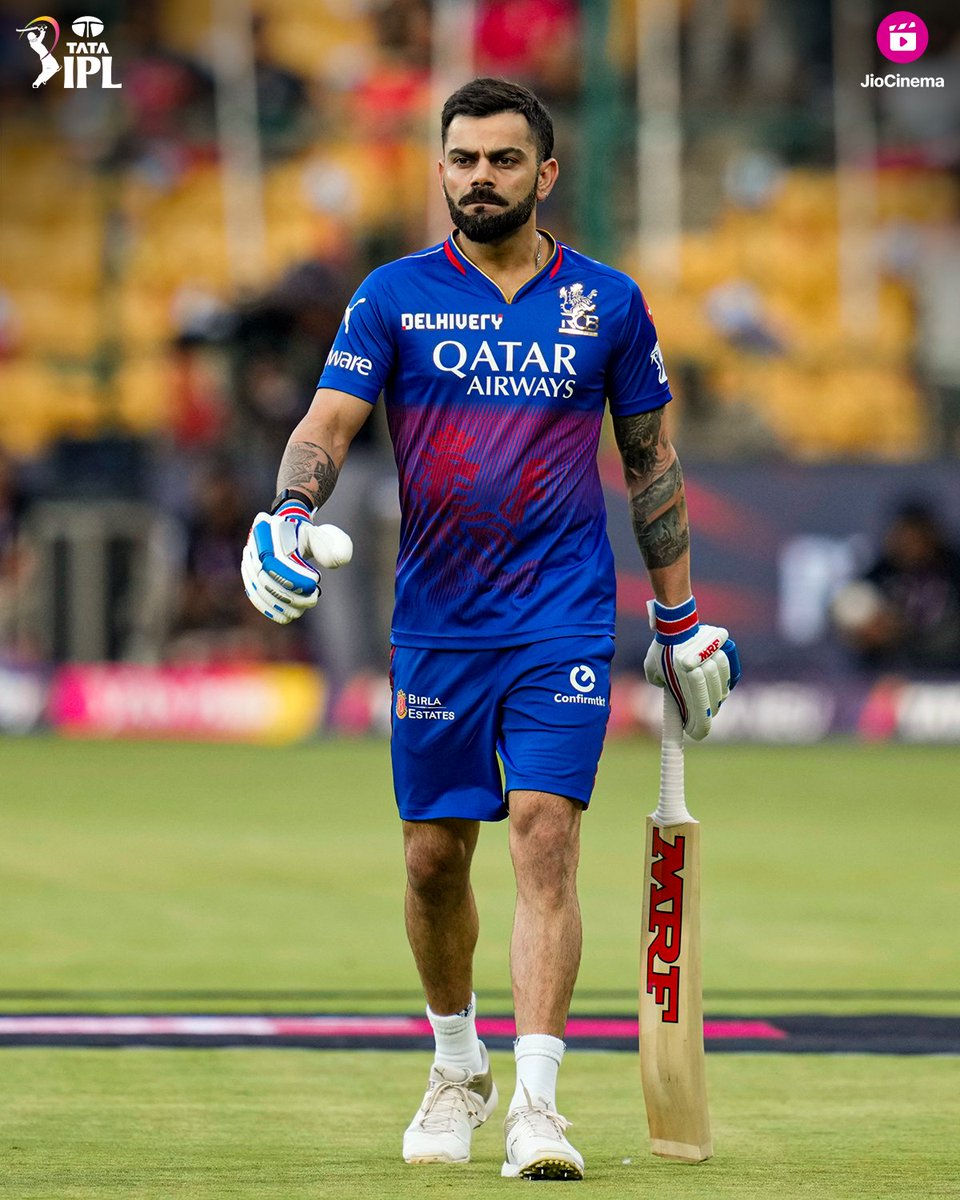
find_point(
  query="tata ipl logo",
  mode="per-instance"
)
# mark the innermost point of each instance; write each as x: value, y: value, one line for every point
x: 85, y: 58
x: 902, y: 37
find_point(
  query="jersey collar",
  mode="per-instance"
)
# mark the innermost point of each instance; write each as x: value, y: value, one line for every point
x: 459, y: 261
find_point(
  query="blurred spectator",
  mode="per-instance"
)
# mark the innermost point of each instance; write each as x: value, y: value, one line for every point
x: 212, y: 621
x: 169, y: 102
x: 904, y: 613
x: 16, y: 563
x: 199, y: 400
x: 11, y: 331
x: 283, y: 107
x: 404, y: 27
x: 390, y: 102
x: 736, y: 310
x: 280, y: 343
x: 536, y: 42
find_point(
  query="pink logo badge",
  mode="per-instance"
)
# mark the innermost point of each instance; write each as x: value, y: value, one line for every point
x: 902, y: 37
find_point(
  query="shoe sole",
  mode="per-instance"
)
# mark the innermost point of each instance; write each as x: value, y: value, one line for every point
x: 543, y: 1168
x: 437, y: 1158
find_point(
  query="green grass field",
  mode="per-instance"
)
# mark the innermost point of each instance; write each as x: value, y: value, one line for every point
x: 830, y: 885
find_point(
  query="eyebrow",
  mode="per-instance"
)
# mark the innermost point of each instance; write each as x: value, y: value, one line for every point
x: 498, y: 153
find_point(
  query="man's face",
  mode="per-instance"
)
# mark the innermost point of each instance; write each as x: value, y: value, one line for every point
x: 490, y: 175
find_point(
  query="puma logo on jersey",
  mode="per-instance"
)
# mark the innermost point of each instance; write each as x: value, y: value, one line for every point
x: 348, y: 310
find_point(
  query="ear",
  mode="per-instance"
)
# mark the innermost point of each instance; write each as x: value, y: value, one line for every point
x: 546, y: 177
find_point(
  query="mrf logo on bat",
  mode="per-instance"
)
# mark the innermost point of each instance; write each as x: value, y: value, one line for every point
x: 666, y: 925
x: 87, y: 58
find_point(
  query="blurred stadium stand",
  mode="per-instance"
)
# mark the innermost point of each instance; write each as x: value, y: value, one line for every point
x: 138, y: 268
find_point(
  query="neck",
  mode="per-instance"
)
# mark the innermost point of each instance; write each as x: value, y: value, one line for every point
x: 515, y: 253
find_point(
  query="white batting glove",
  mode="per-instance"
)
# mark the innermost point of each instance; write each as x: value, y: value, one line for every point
x: 278, y: 580
x: 698, y: 663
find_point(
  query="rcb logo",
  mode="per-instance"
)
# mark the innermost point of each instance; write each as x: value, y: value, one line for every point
x: 401, y: 703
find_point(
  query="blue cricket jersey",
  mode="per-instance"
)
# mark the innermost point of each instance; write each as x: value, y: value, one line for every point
x: 494, y: 410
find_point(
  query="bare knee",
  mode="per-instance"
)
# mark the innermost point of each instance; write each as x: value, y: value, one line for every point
x: 545, y: 844
x: 437, y: 856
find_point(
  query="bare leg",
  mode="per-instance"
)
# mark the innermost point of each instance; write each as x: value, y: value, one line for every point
x: 545, y: 948
x: 441, y: 913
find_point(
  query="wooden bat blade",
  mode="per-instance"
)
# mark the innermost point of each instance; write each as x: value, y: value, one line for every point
x: 672, y: 1060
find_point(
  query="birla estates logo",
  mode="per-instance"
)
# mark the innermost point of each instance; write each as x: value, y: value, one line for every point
x: 85, y: 58
x: 413, y: 707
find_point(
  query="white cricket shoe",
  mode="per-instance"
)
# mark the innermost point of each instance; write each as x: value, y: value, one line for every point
x: 536, y: 1146
x: 455, y: 1103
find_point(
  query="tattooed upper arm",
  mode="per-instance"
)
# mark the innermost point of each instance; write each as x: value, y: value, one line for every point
x: 643, y: 443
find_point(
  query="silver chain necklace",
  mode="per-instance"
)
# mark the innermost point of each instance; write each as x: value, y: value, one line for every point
x: 536, y: 261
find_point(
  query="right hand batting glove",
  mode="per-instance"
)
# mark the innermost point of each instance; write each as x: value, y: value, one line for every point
x: 698, y: 663
x: 278, y: 580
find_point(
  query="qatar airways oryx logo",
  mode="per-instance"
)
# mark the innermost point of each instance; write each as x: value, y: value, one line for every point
x: 84, y: 59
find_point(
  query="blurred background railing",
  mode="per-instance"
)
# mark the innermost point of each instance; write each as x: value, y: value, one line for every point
x: 176, y: 255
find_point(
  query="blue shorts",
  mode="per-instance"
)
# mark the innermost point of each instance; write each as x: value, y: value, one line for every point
x: 543, y: 708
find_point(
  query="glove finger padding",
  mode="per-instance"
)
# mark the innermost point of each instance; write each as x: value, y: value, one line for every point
x: 269, y: 597
x: 277, y: 543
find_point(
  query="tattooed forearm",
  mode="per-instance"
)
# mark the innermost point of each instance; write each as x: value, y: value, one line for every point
x: 308, y: 468
x: 655, y: 487
x: 659, y: 515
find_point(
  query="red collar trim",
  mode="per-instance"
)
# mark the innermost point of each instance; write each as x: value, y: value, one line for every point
x: 452, y: 255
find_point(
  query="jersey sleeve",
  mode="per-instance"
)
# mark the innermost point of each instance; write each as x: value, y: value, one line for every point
x: 636, y: 377
x: 362, y: 354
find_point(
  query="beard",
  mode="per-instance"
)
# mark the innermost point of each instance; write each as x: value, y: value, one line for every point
x: 490, y: 227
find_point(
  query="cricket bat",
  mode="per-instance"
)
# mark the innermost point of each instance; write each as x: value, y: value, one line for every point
x: 672, y: 1063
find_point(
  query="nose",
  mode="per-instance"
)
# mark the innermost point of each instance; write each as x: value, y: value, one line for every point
x: 482, y: 174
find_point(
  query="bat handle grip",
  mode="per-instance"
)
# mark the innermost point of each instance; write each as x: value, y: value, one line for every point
x: 671, y: 806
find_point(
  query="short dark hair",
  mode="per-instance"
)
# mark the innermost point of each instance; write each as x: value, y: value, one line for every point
x: 486, y: 97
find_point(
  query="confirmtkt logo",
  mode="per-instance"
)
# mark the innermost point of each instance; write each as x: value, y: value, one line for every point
x: 85, y: 59
x: 582, y: 678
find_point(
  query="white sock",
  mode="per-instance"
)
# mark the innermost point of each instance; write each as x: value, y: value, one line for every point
x: 538, y: 1058
x: 456, y: 1038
